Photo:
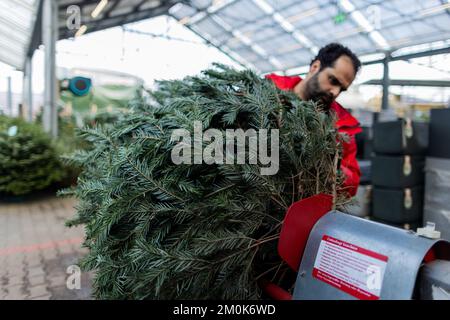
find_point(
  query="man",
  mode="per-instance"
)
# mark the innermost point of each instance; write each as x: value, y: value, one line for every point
x: 331, y: 72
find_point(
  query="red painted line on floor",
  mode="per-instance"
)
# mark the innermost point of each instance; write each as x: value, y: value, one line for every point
x: 39, y: 246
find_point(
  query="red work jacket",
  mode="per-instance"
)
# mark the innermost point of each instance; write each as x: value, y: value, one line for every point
x: 346, y: 123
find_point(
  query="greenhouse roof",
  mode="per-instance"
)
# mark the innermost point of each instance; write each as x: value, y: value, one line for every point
x: 277, y: 35
x: 113, y: 13
x: 21, y: 21
x: 268, y: 35
x: 17, y: 18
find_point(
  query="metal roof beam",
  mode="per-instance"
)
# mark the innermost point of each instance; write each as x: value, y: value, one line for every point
x: 229, y: 53
x: 101, y: 24
x: 370, y: 31
x: 36, y: 34
x: 246, y: 22
x: 412, y: 55
x: 227, y: 29
x: 390, y: 7
x: 111, y: 8
x: 81, y: 3
x: 134, y: 10
x: 287, y: 26
x: 138, y: 6
x: 410, y: 83
x: 254, y: 47
x: 203, y: 14
x: 413, y: 17
x: 234, y: 32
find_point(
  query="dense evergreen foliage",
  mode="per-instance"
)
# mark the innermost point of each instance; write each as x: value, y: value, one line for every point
x: 156, y: 230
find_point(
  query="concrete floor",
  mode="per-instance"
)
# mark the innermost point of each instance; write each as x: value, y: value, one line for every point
x: 36, y: 250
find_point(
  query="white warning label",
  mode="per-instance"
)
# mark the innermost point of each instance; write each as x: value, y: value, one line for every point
x: 352, y: 269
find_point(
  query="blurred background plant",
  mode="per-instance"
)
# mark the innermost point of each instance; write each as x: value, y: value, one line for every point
x: 28, y: 158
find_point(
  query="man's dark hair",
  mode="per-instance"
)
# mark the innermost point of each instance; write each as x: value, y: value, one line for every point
x: 331, y: 52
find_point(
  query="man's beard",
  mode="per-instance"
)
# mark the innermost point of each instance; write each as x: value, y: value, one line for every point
x: 313, y: 92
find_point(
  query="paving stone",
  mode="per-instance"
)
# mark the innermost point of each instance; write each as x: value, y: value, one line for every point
x: 15, y: 280
x: 58, y: 281
x: 10, y: 296
x: 17, y: 270
x: 36, y: 271
x: 44, y: 297
x: 36, y: 280
x: 15, y: 259
x: 48, y: 254
x: 37, y: 291
x: 33, y: 263
x: 40, y: 250
x: 64, y: 249
x: 15, y: 292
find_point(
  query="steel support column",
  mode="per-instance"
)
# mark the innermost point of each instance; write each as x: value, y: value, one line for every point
x: 9, y: 102
x: 385, y: 100
x: 27, y: 92
x: 30, y: 88
x: 50, y: 36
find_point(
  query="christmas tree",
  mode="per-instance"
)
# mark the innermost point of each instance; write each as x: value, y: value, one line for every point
x: 28, y: 159
x: 160, y: 230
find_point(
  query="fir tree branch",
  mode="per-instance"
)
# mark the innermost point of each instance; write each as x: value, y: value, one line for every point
x: 152, y: 181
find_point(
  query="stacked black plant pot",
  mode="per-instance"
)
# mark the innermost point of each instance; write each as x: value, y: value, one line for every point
x: 361, y: 206
x: 437, y: 173
x: 398, y: 172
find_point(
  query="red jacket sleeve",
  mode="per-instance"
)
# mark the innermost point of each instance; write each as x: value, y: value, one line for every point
x: 350, y: 167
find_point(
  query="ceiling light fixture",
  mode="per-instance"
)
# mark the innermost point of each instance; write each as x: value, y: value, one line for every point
x: 100, y: 6
x: 81, y: 31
